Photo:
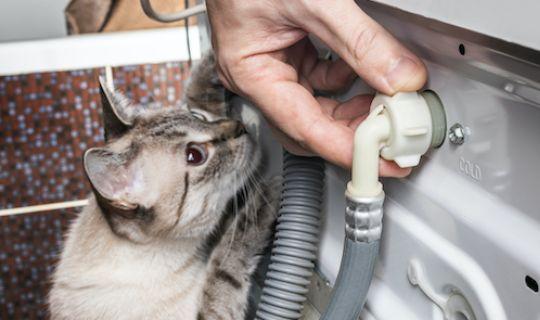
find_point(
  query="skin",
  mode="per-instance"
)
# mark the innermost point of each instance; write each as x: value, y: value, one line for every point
x: 264, y: 54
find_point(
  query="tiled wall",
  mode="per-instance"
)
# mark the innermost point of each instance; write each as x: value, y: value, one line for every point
x: 29, y: 250
x: 47, y: 121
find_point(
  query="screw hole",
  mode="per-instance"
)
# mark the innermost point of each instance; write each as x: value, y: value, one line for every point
x: 462, y: 49
x: 531, y: 283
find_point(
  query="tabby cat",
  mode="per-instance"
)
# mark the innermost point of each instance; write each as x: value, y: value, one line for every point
x: 178, y: 217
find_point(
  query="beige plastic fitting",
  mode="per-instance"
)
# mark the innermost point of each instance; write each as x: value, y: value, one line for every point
x: 400, y: 128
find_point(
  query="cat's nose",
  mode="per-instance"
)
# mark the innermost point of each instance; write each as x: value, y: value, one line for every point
x: 230, y: 129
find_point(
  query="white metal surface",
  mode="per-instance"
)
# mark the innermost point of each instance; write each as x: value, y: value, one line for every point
x: 513, y: 21
x: 469, y: 214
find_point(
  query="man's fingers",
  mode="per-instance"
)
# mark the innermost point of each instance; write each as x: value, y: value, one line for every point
x: 386, y: 168
x: 367, y: 47
x: 321, y: 74
x: 391, y: 169
x: 349, y: 110
x: 304, y: 124
x: 293, y: 109
x: 327, y: 75
x: 288, y: 143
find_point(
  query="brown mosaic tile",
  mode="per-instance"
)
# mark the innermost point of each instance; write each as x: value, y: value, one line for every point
x: 30, y: 247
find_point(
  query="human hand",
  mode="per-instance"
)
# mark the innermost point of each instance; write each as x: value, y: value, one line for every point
x: 263, y: 54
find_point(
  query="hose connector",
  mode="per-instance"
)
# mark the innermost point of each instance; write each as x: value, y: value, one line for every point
x: 363, y: 218
x: 399, y: 128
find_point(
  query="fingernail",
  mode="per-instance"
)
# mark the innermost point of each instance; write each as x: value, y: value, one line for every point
x: 401, y: 72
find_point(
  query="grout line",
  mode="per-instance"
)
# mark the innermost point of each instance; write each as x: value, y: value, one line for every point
x: 43, y: 207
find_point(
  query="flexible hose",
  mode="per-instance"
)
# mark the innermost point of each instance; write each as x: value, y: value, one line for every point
x: 352, y: 283
x: 296, y: 239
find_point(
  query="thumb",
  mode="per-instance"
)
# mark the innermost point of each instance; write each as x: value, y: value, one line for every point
x: 368, y: 48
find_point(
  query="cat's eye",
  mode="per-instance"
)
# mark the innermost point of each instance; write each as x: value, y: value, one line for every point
x: 196, y: 154
x: 199, y: 116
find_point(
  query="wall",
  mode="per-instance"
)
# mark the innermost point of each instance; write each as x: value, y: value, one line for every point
x: 32, y: 19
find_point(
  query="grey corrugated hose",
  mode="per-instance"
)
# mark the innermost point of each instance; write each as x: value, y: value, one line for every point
x: 296, y: 239
x: 295, y: 247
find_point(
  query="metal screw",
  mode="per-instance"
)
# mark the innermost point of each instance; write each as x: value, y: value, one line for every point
x: 456, y: 134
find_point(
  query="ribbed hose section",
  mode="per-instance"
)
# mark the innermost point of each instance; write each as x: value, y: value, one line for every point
x: 296, y: 239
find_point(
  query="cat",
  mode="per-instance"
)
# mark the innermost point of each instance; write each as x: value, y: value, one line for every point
x: 178, y: 217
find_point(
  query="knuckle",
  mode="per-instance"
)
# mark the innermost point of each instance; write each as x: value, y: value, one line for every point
x: 363, y: 42
x: 304, y: 6
x: 225, y: 71
x: 248, y: 72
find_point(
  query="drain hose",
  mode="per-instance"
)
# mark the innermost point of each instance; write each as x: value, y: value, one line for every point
x: 295, y: 246
x: 296, y: 239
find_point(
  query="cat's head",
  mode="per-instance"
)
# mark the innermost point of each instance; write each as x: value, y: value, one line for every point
x: 166, y: 172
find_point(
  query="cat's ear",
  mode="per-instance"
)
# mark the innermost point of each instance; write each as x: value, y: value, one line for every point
x: 205, y: 91
x: 111, y: 180
x: 114, y: 185
x: 118, y: 112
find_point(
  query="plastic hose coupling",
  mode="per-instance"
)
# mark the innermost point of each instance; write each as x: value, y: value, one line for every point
x: 363, y: 218
x: 400, y: 128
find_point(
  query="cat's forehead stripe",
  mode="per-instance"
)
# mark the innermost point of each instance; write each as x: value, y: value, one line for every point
x: 172, y: 125
x: 168, y: 133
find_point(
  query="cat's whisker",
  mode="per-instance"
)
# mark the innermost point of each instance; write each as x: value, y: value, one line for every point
x: 254, y: 214
x: 255, y: 177
x: 257, y: 186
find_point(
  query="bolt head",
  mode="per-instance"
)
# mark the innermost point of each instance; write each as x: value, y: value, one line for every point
x: 456, y: 134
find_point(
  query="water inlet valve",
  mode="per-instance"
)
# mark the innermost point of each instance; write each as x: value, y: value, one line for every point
x: 400, y: 128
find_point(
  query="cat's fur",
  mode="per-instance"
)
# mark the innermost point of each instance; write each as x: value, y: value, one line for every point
x: 163, y: 239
